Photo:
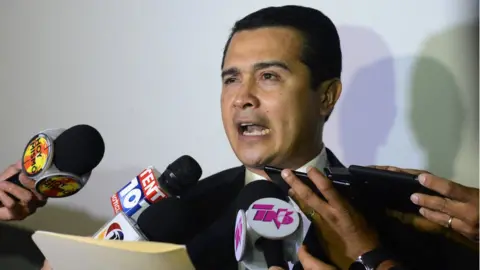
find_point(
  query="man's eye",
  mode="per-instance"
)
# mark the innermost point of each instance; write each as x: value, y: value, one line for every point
x: 229, y: 80
x: 269, y: 76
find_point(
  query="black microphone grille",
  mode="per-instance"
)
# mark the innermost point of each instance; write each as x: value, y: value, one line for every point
x: 78, y: 150
x: 186, y: 169
x: 170, y: 220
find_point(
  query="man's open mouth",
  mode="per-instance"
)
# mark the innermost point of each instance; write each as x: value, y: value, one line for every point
x: 252, y: 129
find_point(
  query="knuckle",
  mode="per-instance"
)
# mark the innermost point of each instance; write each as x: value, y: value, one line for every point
x: 428, y: 214
x: 449, y: 188
x: 28, y: 196
x: 332, y: 217
x: 10, y: 204
x: 308, y: 194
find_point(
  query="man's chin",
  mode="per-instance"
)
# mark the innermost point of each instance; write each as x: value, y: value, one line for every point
x: 255, y: 163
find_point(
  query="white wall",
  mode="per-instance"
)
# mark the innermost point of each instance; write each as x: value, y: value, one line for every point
x: 147, y: 75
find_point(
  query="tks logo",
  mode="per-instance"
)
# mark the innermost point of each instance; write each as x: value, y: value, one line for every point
x: 266, y: 213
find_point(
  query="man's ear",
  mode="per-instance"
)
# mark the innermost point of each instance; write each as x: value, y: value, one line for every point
x: 330, y: 92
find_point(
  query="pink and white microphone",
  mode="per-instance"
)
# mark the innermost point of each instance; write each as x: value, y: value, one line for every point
x: 267, y: 218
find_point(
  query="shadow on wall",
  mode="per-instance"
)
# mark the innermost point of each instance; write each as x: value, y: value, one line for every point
x: 436, y: 114
x: 367, y: 112
x: 439, y: 107
x: 17, y: 250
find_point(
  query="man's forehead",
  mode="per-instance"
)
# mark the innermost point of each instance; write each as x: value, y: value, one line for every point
x: 264, y: 44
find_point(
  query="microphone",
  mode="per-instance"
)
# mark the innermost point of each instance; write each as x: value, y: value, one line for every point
x: 388, y: 188
x: 149, y: 186
x: 61, y: 161
x: 171, y: 220
x: 122, y: 228
x: 212, y: 248
x: 267, y: 227
x: 168, y: 221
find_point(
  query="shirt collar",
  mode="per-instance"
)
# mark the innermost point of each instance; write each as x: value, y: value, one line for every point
x: 319, y: 162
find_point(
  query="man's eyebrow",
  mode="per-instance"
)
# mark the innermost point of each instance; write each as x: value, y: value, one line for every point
x: 257, y: 66
x: 230, y: 71
x: 264, y: 65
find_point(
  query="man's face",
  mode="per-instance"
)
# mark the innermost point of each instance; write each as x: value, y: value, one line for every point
x: 269, y: 111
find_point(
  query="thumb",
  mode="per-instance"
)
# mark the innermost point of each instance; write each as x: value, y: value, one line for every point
x: 309, y: 262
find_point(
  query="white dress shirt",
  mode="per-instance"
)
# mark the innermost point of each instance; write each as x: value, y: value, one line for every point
x: 319, y: 162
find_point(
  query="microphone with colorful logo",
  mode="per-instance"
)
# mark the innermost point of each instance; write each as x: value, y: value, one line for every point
x: 122, y: 228
x: 171, y: 220
x: 150, y: 187
x: 268, y: 230
x: 147, y: 188
x: 61, y: 160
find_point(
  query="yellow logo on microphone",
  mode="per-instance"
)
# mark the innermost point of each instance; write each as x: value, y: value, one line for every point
x: 36, y: 154
x: 58, y: 186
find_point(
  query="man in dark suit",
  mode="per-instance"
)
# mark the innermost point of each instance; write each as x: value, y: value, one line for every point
x: 280, y: 82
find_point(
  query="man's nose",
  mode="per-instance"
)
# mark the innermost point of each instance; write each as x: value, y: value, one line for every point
x: 247, y: 97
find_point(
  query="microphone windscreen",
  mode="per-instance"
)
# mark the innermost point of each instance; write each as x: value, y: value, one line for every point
x: 78, y: 150
x: 171, y: 220
x: 272, y: 249
x: 181, y: 175
x: 212, y: 248
x: 258, y: 190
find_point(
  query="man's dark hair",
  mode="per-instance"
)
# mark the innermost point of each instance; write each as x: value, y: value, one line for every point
x: 321, y: 51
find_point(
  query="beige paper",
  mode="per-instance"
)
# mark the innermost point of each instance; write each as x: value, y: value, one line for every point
x: 69, y: 252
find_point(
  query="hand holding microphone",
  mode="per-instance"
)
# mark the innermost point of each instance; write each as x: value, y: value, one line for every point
x: 55, y: 163
x: 60, y: 161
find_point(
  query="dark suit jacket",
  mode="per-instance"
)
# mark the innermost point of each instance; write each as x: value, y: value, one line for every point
x: 212, y: 198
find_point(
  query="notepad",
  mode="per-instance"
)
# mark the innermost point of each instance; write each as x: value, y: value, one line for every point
x: 70, y: 252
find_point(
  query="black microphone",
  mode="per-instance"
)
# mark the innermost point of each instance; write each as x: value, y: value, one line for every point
x: 211, y: 248
x: 150, y: 187
x: 381, y: 188
x: 147, y: 207
x: 171, y: 220
x: 61, y: 161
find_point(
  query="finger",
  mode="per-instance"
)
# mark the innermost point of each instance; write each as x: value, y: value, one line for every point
x: 445, y: 205
x: 16, y: 191
x: 11, y: 210
x: 435, y: 216
x: 26, y: 182
x: 327, y: 189
x: 30, y: 184
x: 417, y: 221
x: 6, y: 200
x: 457, y: 225
x: 303, y: 206
x: 422, y: 224
x: 309, y: 262
x: 304, y: 193
x: 397, y: 169
x: 445, y: 187
x: 9, y: 172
